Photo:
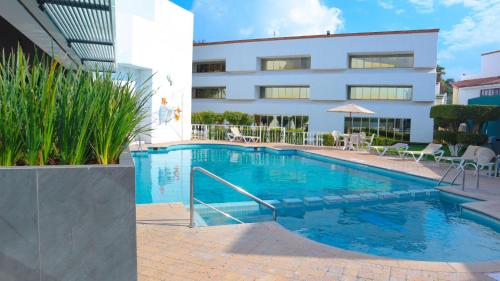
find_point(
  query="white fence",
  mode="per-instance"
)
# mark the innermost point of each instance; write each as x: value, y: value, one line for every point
x: 266, y: 134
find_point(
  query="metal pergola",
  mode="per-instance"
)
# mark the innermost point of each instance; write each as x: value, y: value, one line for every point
x: 88, y: 26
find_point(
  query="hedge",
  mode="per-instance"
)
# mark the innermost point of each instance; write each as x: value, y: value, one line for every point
x: 207, y: 117
x: 238, y: 118
x: 213, y: 118
x: 450, y: 116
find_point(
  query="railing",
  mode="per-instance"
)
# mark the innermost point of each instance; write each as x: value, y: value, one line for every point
x: 266, y: 134
x: 461, y: 171
x: 192, y: 199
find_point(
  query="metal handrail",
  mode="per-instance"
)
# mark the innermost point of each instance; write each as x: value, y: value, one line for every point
x: 217, y: 210
x: 225, y: 182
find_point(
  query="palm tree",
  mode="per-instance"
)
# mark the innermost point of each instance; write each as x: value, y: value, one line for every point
x: 445, y: 85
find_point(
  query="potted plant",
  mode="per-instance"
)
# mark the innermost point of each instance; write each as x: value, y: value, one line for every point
x: 66, y: 176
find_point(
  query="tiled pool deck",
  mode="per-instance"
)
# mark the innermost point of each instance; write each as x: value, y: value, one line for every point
x: 169, y: 250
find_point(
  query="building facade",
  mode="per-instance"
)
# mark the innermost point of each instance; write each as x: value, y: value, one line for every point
x: 293, y: 81
x: 484, y: 84
x: 147, y: 41
x: 154, y: 41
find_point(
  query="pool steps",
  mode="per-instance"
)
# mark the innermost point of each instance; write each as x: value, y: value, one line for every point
x: 314, y: 202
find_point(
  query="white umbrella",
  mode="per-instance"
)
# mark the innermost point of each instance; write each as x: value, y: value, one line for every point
x: 351, y: 108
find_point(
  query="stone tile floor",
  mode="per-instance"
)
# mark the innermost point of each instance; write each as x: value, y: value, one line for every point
x: 169, y: 250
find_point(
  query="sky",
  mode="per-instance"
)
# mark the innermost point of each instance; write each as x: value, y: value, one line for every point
x: 468, y: 28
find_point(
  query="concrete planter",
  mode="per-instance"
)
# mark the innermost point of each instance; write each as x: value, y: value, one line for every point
x: 68, y: 222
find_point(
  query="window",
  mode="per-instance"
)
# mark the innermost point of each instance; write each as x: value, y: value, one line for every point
x: 286, y: 63
x: 209, y: 93
x: 392, y: 128
x: 490, y: 92
x: 381, y: 61
x: 379, y: 92
x: 293, y: 92
x: 288, y: 121
x: 204, y: 67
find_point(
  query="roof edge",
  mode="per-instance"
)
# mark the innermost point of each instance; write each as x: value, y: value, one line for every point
x: 318, y: 36
x: 485, y: 81
x: 489, y: 53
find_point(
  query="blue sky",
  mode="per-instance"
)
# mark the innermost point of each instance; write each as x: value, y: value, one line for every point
x: 468, y: 27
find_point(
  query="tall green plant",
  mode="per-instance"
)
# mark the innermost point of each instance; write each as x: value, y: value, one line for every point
x: 121, y: 111
x: 12, y: 78
x: 76, y: 111
x: 52, y: 115
x: 39, y: 108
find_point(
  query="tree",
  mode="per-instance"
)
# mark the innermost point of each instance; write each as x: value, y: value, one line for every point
x: 445, y: 85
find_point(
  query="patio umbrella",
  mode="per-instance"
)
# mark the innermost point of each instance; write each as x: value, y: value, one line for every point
x: 351, y: 108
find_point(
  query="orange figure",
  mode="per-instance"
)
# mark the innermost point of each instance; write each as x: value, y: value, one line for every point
x: 177, y: 113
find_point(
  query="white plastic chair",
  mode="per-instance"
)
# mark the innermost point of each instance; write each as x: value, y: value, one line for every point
x: 336, y: 139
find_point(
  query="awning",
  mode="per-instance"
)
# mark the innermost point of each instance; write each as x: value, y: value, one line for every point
x: 88, y: 27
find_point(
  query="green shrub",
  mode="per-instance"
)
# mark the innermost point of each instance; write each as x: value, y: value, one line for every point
x: 453, y: 138
x: 446, y: 137
x: 385, y: 141
x: 327, y: 140
x: 238, y: 118
x: 51, y: 115
x: 471, y: 139
x: 207, y: 118
x: 450, y: 116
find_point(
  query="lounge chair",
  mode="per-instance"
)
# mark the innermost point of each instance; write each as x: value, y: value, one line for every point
x: 397, y: 147
x: 235, y: 135
x: 432, y: 149
x: 485, y: 158
x: 469, y: 155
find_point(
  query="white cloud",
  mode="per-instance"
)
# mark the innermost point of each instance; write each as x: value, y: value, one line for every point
x: 474, y: 4
x: 423, y: 6
x: 389, y: 5
x: 215, y: 8
x: 299, y: 17
x: 246, y: 31
x: 481, y: 27
x: 257, y: 18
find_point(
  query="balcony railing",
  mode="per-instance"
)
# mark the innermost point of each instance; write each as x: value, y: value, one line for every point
x: 266, y: 134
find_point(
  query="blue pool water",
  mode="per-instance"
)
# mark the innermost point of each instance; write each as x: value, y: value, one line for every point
x: 431, y: 227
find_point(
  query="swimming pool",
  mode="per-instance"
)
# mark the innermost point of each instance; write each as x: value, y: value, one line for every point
x: 380, y: 212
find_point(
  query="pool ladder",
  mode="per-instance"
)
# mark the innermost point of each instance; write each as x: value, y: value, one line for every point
x: 192, y: 199
x: 461, y: 171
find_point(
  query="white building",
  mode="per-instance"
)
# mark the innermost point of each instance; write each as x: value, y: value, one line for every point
x: 299, y: 78
x: 137, y: 38
x: 486, y: 83
x: 155, y: 37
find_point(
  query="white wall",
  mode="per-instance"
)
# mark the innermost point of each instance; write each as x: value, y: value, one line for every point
x: 328, y: 78
x: 472, y: 92
x: 490, y: 64
x: 156, y: 37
